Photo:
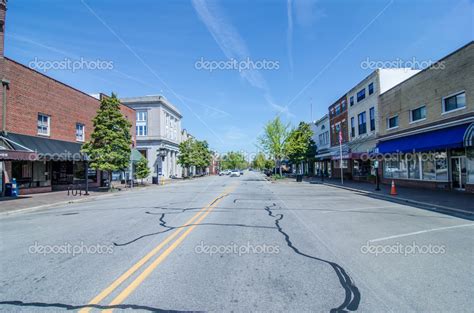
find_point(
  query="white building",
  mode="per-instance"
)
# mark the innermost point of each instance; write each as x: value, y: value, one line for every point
x: 158, y: 134
x: 321, y: 136
x: 363, y: 111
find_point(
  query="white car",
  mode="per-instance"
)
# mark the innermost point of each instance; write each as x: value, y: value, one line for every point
x: 235, y: 173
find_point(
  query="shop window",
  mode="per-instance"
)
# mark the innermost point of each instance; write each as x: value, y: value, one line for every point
x: 454, y: 102
x: 441, y: 166
x: 470, y: 165
x: 428, y: 165
x: 413, y: 163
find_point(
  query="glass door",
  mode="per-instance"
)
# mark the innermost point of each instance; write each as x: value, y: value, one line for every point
x: 458, y: 172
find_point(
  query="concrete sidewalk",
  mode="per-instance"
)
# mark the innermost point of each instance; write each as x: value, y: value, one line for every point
x: 440, y: 200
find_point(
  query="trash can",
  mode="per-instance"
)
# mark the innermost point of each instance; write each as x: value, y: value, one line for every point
x: 299, y: 178
x: 154, y: 180
x: 8, y: 189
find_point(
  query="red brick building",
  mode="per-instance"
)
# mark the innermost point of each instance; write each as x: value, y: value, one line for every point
x: 339, y: 129
x: 44, y: 124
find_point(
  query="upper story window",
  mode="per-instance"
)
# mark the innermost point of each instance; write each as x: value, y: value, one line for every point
x: 362, y: 123
x: 324, y: 138
x: 80, y: 132
x: 392, y: 122
x: 454, y: 102
x: 44, y: 122
x: 361, y: 95
x: 371, y: 88
x: 352, y: 127
x: 418, y: 114
x: 343, y: 105
x: 351, y: 100
x: 142, y: 116
x: 142, y: 123
x: 338, y: 109
x: 372, y: 119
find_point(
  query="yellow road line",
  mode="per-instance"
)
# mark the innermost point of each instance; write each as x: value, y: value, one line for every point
x: 143, y: 275
x: 107, y: 291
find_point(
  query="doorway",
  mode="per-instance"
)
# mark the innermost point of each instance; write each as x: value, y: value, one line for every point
x: 458, y: 172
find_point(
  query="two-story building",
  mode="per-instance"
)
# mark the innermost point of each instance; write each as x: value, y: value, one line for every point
x: 321, y: 136
x: 363, y: 112
x: 338, y: 137
x: 426, y: 125
x: 158, y: 128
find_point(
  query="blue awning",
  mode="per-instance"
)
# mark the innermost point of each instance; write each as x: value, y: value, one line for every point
x: 446, y: 138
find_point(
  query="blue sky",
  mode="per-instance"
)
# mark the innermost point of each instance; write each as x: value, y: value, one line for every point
x: 154, y: 47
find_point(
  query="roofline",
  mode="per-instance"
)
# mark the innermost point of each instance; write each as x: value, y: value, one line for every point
x: 432, y: 65
x: 150, y: 99
x: 51, y: 78
x: 322, y: 118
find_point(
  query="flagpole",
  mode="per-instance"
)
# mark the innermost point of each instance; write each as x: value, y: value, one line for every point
x: 340, y: 154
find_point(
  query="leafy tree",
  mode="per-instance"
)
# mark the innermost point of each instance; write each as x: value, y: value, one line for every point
x: 110, y: 146
x: 300, y: 144
x: 269, y: 164
x: 274, y: 138
x: 259, y: 161
x: 142, y: 169
x: 233, y: 160
x: 194, y: 153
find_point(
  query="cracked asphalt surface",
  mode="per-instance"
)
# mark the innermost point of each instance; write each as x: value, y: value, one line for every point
x: 236, y: 244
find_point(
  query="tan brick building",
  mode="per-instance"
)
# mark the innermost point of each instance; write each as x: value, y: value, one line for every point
x: 426, y: 125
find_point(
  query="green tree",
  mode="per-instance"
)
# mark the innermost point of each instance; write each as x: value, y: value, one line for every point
x: 259, y: 161
x: 273, y: 140
x: 233, y: 160
x: 269, y: 164
x: 300, y: 144
x: 142, y: 169
x: 194, y: 153
x: 110, y: 146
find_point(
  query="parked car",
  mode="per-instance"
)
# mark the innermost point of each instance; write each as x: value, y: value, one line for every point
x: 224, y: 172
x: 241, y: 172
x: 235, y: 173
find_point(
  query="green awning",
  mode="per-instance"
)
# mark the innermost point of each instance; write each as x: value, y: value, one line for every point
x: 135, y: 156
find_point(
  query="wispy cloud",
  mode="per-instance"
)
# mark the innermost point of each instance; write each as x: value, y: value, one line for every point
x: 307, y: 12
x: 289, y: 35
x: 230, y: 42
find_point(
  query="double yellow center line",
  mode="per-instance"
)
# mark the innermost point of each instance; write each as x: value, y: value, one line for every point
x: 195, y: 220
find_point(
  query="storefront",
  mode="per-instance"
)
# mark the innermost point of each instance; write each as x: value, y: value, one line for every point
x: 44, y: 165
x: 322, y: 163
x: 438, y: 159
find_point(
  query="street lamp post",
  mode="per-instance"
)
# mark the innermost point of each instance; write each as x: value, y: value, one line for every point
x: 162, y: 155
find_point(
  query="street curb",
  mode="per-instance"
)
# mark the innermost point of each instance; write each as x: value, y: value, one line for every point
x: 51, y: 205
x: 429, y: 206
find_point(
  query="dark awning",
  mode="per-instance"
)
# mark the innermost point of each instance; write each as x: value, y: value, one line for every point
x: 446, y: 138
x: 47, y: 149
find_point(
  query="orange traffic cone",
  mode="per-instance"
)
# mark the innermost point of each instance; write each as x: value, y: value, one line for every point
x: 393, y: 191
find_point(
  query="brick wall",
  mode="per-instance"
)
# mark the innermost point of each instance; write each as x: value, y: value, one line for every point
x: 31, y: 93
x: 428, y: 88
x: 340, y: 118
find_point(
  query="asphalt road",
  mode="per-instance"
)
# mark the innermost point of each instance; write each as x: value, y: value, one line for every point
x: 237, y: 244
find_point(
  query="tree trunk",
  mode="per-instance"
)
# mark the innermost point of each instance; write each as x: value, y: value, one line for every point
x: 110, y: 180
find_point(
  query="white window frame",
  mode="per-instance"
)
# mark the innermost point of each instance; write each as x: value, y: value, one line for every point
x: 421, y: 119
x: 83, y: 132
x: 443, y: 109
x: 48, y: 124
x: 388, y: 122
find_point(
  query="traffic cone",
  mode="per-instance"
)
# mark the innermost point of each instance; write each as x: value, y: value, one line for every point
x: 393, y: 191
